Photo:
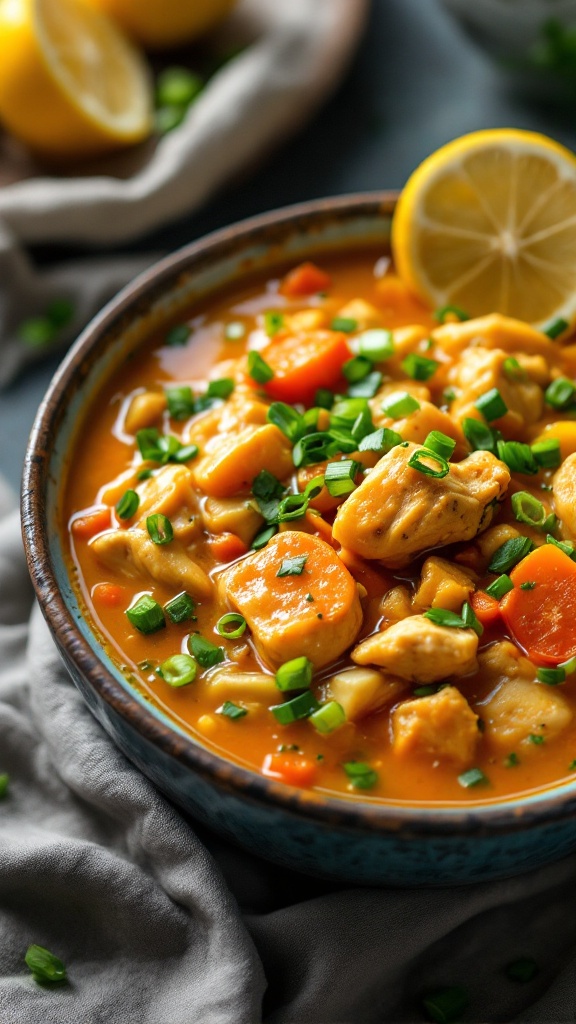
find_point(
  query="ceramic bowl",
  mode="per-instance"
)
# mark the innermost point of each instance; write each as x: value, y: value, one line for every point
x: 356, y: 841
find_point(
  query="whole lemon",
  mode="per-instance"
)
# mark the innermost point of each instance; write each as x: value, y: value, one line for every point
x: 158, y: 24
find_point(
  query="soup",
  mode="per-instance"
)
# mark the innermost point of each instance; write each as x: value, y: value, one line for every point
x: 330, y: 532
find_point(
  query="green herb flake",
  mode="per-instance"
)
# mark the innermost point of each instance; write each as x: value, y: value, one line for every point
x: 178, y: 335
x: 512, y: 760
x: 528, y: 585
x: 536, y: 738
x: 46, y: 968
x: 472, y: 777
x: 292, y: 566
x: 4, y: 782
x: 231, y: 710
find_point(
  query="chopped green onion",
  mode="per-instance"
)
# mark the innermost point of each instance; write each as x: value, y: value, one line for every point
x: 180, y: 608
x: 181, y: 402
x: 292, y: 566
x: 479, y: 435
x: 444, y: 617
x: 419, y: 367
x: 314, y: 448
x: 159, y: 528
x: 441, y: 314
x: 448, y: 395
x: 440, y: 444
x: 491, y: 405
x: 177, y: 87
x: 178, y: 670
x: 295, y: 674
x: 144, y: 474
x: 360, y: 774
x: 536, y: 739
x: 421, y: 459
x: 234, y: 331
x: 376, y: 344
x: 234, y: 619
x: 328, y: 718
x: 39, y: 331
x: 346, y: 411
x: 185, y: 453
x: 168, y: 118
x: 344, y: 323
x: 301, y: 706
x: 472, y: 777
x: 565, y: 545
x: 4, y: 783
x: 527, y: 508
x: 517, y: 456
x: 446, y: 1005
x: 382, y: 440
x: 512, y: 760
x: 340, y: 477
x: 231, y: 710
x: 261, y: 539
x: 356, y: 369
x: 470, y: 618
x: 286, y: 419
x: 529, y: 585
x: 156, y: 447
x: 258, y: 368
x: 560, y: 393
x: 424, y: 691
x: 367, y: 387
x: 266, y: 486
x: 294, y: 506
x: 500, y: 587
x: 273, y: 321
x: 509, y: 554
x: 205, y: 652
x: 513, y: 370
x: 551, y: 676
x: 178, y: 335
x: 556, y: 328
x: 45, y: 967
x: 128, y: 505
x: 547, y: 453
x: 363, y: 424
x: 399, y: 404
x: 146, y: 615
x: 221, y: 388
x: 523, y: 969
x: 324, y: 398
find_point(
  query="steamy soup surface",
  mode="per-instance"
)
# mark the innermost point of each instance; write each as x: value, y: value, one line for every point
x: 330, y: 532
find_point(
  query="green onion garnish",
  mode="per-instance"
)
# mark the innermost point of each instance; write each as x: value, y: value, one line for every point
x: 446, y: 1005
x: 180, y: 608
x: 344, y: 323
x: 292, y: 566
x: 231, y: 710
x: 39, y: 331
x: 509, y: 554
x: 4, y: 783
x: 551, y: 676
x: 231, y: 625
x: 328, y: 718
x: 346, y: 411
x: 513, y: 370
x: 324, y: 398
x: 470, y: 618
x: 500, y: 587
x: 360, y: 774
x: 301, y: 706
x: 234, y: 331
x: 266, y: 486
x: 128, y: 505
x: 178, y: 670
x: 419, y: 367
x: 565, y: 545
x: 205, y: 652
x: 159, y: 528
x: 529, y: 585
x: 536, y: 739
x: 556, y: 328
x: 523, y: 969
x: 181, y: 403
x: 527, y: 509
x: 221, y: 388
x: 399, y: 404
x: 163, y: 448
x: 177, y: 87
x: 560, y: 393
x: 367, y: 387
x: 262, y: 537
x: 444, y: 617
x: 363, y: 424
x: 295, y: 674
x: 382, y: 440
x: 356, y: 369
x: 441, y: 314
x: 185, y: 452
x: 258, y: 368
x: 568, y: 666
x: 273, y: 321
x: 517, y: 456
x: 472, y: 777
x: 178, y: 335
x: 479, y: 435
x: 286, y: 419
x: 429, y: 463
x: 294, y: 506
x: 146, y: 615
x: 340, y: 477
x: 376, y: 344
x: 547, y: 453
x: 44, y: 966
x: 440, y: 444
x: 491, y: 405
x: 512, y: 760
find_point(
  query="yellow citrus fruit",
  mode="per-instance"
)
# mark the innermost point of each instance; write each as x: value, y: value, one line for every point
x: 159, y: 24
x: 71, y: 85
x: 488, y: 224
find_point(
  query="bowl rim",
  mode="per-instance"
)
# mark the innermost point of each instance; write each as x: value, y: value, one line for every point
x: 491, y: 817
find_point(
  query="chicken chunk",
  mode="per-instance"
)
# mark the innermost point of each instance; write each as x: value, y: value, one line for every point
x: 442, y: 725
x: 170, y: 492
x: 232, y: 461
x: 361, y: 691
x: 232, y: 515
x: 417, y: 425
x: 443, y: 585
x: 364, y: 313
x: 397, y: 511
x: 417, y: 649
x: 494, y: 331
x: 133, y: 553
x: 564, y: 489
x: 479, y: 370
x: 314, y: 611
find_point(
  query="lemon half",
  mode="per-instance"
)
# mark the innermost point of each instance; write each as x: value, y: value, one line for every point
x: 71, y: 85
x: 488, y: 223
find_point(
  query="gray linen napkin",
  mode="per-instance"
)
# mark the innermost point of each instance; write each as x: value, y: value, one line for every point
x: 159, y: 926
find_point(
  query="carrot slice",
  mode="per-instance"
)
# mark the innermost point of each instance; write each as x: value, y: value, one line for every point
x: 291, y: 768
x: 108, y: 594
x: 302, y: 363
x: 541, y: 617
x: 306, y: 279
x: 86, y: 527
x: 226, y: 547
x: 485, y: 608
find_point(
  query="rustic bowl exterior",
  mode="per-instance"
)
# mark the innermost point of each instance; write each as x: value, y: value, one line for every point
x: 358, y: 841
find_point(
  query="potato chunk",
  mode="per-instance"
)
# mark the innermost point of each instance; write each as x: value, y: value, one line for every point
x: 397, y: 511
x: 133, y: 553
x: 258, y: 687
x: 443, y: 585
x: 442, y: 725
x: 232, y: 515
x: 144, y: 410
x: 284, y: 622
x: 564, y: 488
x: 231, y: 464
x: 361, y: 691
x: 417, y: 649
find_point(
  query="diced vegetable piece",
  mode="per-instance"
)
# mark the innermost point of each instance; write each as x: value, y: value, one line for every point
x: 486, y: 608
x: 443, y: 585
x: 305, y: 279
x: 304, y: 362
x: 236, y: 459
x: 360, y: 691
x: 291, y: 767
x: 87, y: 526
x: 442, y: 725
x: 542, y: 618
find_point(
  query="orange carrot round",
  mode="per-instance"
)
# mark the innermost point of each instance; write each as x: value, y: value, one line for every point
x: 302, y: 363
x: 291, y: 768
x: 109, y: 595
x: 305, y: 279
x: 87, y: 526
x: 226, y: 547
x: 486, y: 608
x: 540, y: 611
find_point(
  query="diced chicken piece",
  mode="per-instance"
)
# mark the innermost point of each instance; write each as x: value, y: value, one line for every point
x: 407, y: 339
x: 133, y: 553
x: 417, y: 425
x: 144, y: 410
x: 242, y: 409
x: 170, y: 492
x: 396, y: 604
x: 232, y: 462
x: 397, y: 511
x: 479, y: 370
x: 442, y: 725
x: 285, y: 623
x: 494, y: 538
x: 443, y: 585
x: 417, y: 649
x: 232, y: 515
x: 306, y: 320
x: 361, y: 691
x: 494, y: 331
x: 364, y: 313
x: 564, y: 489
x: 519, y: 706
x: 246, y: 686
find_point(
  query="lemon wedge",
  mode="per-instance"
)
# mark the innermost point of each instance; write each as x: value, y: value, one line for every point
x: 488, y: 224
x: 158, y: 24
x: 71, y: 85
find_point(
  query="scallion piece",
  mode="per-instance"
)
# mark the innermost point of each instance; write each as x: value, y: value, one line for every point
x: 295, y: 674
x: 328, y: 718
x: 551, y: 676
x: 429, y: 463
x: 159, y: 528
x: 513, y: 370
x: 527, y: 509
x: 560, y: 393
x: 547, y: 453
x: 479, y: 435
x: 261, y: 539
x: 258, y: 368
x: 472, y: 777
x: 491, y: 405
x: 4, y: 783
x: 46, y: 968
x: 470, y: 618
x: 185, y: 453
x: 339, y: 477
x: 266, y: 486
x: 301, y: 706
x: 221, y: 388
x: 273, y: 321
x: 178, y: 670
x: 367, y: 387
x: 528, y: 585
x: 568, y: 666
x: 363, y: 424
x: 205, y: 652
x: 286, y: 419
x: 180, y: 402
x: 360, y: 774
x: 445, y: 1005
x: 381, y: 440
x: 565, y: 545
x: 399, y: 404
x: 499, y: 587
x: 440, y: 444
x: 419, y: 367
x: 509, y: 554
x: 517, y: 456
x: 346, y: 411
x: 512, y: 760
x: 231, y: 625
x: 356, y: 369
x: 177, y: 87
x: 178, y: 335
x: 376, y: 344
x: 231, y: 710
x: 294, y: 506
x: 146, y: 615
x: 128, y: 505
x: 445, y: 311
x: 292, y: 566
x: 324, y: 398
x: 344, y: 323
x: 144, y: 474
x: 444, y: 617
x: 556, y: 328
x: 180, y: 608
x: 234, y: 331
x: 314, y: 448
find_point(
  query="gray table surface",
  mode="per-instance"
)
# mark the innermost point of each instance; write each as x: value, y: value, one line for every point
x: 416, y: 82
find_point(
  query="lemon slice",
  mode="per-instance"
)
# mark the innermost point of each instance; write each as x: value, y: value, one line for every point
x: 488, y: 224
x: 70, y: 83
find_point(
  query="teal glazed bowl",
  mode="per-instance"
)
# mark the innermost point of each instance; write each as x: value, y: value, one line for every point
x: 360, y: 841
